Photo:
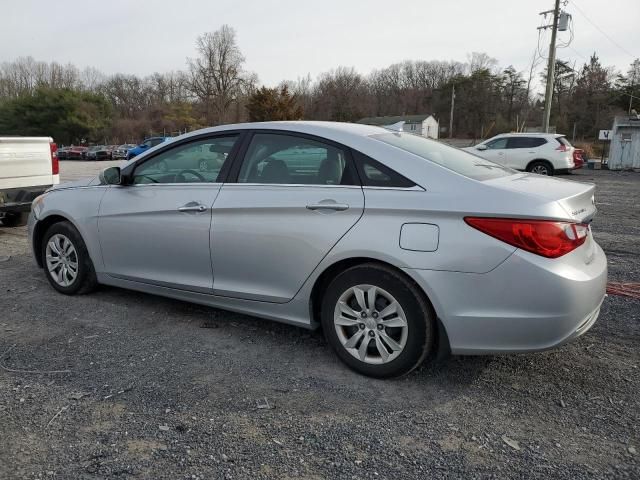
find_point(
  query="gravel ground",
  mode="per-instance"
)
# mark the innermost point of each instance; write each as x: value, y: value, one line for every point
x: 129, y: 385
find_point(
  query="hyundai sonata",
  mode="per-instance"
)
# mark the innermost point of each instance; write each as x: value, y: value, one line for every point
x: 400, y: 247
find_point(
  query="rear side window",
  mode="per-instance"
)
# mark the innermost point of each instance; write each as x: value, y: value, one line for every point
x: 448, y: 157
x: 288, y: 159
x: 563, y: 141
x: 525, y: 142
x: 374, y: 174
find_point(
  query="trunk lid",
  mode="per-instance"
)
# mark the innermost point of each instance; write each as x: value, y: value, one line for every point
x: 576, y: 198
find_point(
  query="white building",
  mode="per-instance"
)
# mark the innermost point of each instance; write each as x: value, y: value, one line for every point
x: 625, y: 143
x: 425, y: 125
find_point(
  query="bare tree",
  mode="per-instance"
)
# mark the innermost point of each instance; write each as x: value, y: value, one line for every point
x: 216, y: 75
x: 481, y: 61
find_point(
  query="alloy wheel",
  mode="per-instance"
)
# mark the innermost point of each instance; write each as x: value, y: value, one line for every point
x: 371, y: 324
x: 61, y: 260
x: 540, y: 170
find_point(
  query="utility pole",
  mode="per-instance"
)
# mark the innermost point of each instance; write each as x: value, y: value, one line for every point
x: 453, y: 98
x: 551, y: 68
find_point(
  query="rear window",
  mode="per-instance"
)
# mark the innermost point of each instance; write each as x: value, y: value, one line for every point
x: 452, y: 158
x: 563, y: 141
x: 525, y: 142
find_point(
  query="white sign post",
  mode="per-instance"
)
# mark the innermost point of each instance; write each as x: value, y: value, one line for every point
x: 605, y: 135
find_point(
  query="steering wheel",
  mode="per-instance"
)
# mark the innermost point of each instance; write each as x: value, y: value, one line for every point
x: 147, y: 176
x: 192, y: 172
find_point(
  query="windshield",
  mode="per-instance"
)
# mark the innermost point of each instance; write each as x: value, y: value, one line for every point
x: 452, y: 158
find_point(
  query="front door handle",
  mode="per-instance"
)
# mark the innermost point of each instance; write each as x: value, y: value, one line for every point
x: 339, y: 207
x: 192, y: 207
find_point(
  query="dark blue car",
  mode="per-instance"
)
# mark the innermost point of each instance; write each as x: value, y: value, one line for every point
x: 146, y: 145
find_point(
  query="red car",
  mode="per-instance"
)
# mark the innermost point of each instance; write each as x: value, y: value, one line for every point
x: 76, y: 153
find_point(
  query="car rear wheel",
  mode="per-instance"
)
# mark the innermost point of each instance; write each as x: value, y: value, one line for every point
x: 66, y: 260
x: 540, y: 167
x: 377, y: 321
x: 13, y: 219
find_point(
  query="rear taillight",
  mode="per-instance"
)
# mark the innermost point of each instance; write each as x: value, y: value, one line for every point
x: 55, y: 166
x: 543, y: 237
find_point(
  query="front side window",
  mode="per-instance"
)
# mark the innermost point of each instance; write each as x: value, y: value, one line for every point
x: 195, y: 162
x: 497, y: 144
x: 288, y: 159
x: 448, y: 157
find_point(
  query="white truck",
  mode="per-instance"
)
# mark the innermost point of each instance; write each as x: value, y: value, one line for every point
x: 28, y: 167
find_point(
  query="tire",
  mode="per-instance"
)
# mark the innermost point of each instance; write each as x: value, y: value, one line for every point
x: 540, y: 167
x: 13, y: 219
x: 85, y: 276
x: 406, y: 346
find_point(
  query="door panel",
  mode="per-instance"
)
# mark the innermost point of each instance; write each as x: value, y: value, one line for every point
x: 496, y: 151
x: 266, y: 242
x: 159, y: 234
x: 157, y: 228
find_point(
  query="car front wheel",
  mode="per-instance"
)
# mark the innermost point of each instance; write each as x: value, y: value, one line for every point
x: 66, y: 260
x: 377, y: 321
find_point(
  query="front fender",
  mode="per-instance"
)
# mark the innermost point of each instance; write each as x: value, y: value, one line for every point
x: 80, y: 207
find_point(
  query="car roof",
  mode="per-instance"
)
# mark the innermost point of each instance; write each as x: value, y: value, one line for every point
x: 334, y: 130
x: 532, y: 134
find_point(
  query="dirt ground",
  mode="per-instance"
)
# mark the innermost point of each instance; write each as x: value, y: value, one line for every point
x: 127, y: 385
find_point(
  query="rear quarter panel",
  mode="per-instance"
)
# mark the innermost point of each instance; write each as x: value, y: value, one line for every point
x: 459, y: 247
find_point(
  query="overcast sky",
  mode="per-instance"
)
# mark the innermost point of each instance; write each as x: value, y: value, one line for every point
x: 286, y: 39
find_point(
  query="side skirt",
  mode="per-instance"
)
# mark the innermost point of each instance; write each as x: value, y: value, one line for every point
x: 295, y: 312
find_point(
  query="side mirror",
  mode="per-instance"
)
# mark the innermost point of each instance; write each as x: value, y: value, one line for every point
x: 110, y: 176
x: 481, y: 147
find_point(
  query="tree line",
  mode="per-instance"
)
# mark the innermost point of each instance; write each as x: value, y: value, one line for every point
x: 71, y: 104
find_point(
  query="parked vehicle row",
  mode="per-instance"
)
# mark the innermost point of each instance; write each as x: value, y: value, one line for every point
x: 125, y: 151
x: 399, y: 246
x: 121, y: 152
x: 146, y: 145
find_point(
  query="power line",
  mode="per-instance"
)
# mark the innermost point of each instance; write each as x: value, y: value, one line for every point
x: 602, y: 31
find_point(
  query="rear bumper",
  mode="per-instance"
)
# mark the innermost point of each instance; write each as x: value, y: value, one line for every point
x: 17, y: 200
x: 527, y: 303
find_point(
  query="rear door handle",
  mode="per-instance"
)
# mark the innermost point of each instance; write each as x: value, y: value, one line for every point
x: 192, y: 207
x: 339, y: 207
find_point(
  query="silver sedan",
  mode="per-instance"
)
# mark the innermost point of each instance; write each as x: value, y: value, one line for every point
x: 400, y: 247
